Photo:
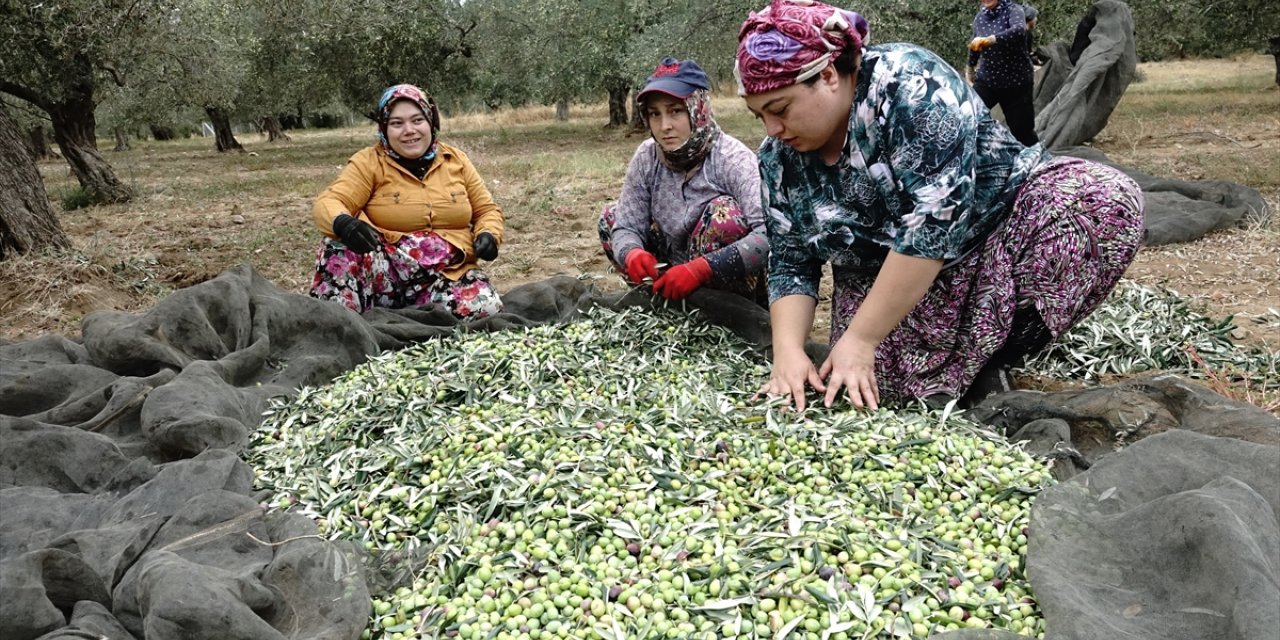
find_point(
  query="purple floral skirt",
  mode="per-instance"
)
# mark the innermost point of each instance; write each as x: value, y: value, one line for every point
x: 406, y: 273
x: 1075, y: 227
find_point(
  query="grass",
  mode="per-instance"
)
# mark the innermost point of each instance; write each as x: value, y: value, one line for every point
x: 1212, y: 120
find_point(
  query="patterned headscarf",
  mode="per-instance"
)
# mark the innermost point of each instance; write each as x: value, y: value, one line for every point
x: 703, y: 132
x: 424, y: 102
x: 791, y: 41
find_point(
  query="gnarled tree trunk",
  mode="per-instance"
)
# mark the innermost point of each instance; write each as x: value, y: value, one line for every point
x: 122, y: 139
x: 1275, y: 54
x: 27, y: 222
x: 562, y: 110
x: 74, y: 128
x: 271, y: 125
x: 224, y: 138
x: 618, y: 105
x: 162, y: 133
x: 637, y: 116
x: 37, y: 143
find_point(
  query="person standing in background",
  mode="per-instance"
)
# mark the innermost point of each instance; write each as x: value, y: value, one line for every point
x: 1000, y: 68
x: 1031, y: 14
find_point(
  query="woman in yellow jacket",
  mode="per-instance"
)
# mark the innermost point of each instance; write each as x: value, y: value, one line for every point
x: 407, y: 219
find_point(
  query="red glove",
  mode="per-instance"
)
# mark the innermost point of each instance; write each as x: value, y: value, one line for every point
x: 681, y: 280
x: 640, y: 265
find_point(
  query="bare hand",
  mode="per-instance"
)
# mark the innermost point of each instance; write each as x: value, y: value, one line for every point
x: 852, y: 365
x: 790, y: 373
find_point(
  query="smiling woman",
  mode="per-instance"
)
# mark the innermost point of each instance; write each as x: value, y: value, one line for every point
x: 407, y: 219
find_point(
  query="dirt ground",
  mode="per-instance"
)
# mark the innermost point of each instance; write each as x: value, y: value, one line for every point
x: 199, y: 212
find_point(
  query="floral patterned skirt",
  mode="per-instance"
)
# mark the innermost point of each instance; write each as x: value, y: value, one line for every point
x: 1075, y: 227
x: 721, y: 224
x: 406, y: 273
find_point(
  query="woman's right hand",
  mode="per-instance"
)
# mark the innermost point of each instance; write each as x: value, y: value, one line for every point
x: 791, y: 371
x: 358, y: 235
x: 640, y: 265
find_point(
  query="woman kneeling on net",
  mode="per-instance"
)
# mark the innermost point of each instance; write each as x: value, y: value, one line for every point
x: 955, y: 250
x: 691, y: 196
x: 407, y: 218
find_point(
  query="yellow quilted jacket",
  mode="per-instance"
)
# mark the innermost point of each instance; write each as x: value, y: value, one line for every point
x: 450, y: 200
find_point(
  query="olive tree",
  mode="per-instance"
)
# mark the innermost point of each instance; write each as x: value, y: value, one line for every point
x: 560, y: 50
x: 27, y: 222
x: 57, y: 54
x: 364, y: 47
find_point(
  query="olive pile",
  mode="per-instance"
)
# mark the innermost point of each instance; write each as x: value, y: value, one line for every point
x: 612, y: 479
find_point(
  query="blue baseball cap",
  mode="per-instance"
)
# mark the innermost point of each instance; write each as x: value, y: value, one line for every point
x: 676, y: 78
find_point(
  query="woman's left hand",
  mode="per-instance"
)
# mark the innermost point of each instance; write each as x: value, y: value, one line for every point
x: 852, y: 364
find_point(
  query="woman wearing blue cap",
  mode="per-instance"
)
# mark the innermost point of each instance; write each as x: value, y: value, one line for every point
x: 1006, y: 77
x: 691, y: 196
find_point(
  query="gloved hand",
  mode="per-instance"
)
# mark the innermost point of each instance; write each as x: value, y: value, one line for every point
x: 486, y: 246
x: 683, y: 279
x: 640, y: 265
x: 358, y: 235
x: 978, y: 44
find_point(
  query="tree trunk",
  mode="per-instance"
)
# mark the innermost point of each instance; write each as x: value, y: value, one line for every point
x: 274, y: 132
x: 1275, y: 54
x: 74, y: 129
x: 618, y: 105
x: 27, y: 222
x: 562, y: 110
x: 37, y: 144
x: 224, y: 138
x: 162, y: 133
x: 637, y: 116
x: 122, y: 139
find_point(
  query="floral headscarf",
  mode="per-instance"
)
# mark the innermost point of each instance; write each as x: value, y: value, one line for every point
x: 424, y: 102
x: 791, y: 41
x: 703, y: 131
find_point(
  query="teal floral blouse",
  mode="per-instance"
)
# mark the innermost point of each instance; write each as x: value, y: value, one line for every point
x: 925, y: 172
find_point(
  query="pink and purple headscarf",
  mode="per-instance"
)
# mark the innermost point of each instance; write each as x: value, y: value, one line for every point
x: 417, y: 96
x: 791, y: 41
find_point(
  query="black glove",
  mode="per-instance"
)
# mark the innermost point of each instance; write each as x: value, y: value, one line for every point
x: 358, y: 235
x: 486, y: 246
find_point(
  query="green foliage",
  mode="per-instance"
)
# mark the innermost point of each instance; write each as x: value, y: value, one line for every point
x: 1139, y: 329
x: 363, y: 47
x: 55, y: 51
x: 161, y: 62
x: 619, y: 460
x: 73, y: 198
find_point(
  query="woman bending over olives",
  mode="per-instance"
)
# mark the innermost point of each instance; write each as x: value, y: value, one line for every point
x: 955, y: 250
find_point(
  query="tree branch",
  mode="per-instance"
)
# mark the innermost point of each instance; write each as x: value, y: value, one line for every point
x: 115, y: 73
x: 28, y: 108
x: 24, y: 93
